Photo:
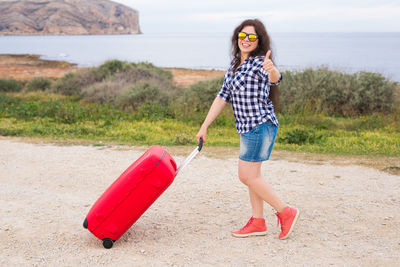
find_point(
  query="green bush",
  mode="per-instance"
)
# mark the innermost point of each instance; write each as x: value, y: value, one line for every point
x: 334, y: 92
x: 38, y: 84
x: 115, y: 87
x: 142, y: 93
x: 151, y: 93
x: 124, y: 85
x: 194, y: 103
x: 112, y: 66
x: 104, y: 92
x: 71, y: 84
x: 153, y: 71
x: 5, y: 100
x: 375, y: 93
x: 10, y: 85
x: 300, y: 137
x: 200, y: 95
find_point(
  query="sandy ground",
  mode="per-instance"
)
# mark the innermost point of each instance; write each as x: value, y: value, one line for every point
x: 187, y: 77
x: 350, y: 215
x: 26, y: 67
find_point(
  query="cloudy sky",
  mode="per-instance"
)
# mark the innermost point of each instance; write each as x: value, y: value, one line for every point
x: 165, y: 16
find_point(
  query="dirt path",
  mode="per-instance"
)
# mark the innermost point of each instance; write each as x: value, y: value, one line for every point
x: 350, y: 215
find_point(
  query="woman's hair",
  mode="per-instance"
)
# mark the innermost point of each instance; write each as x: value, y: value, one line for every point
x: 264, y: 44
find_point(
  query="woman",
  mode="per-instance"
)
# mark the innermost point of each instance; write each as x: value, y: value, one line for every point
x: 247, y: 86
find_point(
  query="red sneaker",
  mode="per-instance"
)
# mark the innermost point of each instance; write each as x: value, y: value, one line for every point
x: 287, y: 218
x: 255, y: 226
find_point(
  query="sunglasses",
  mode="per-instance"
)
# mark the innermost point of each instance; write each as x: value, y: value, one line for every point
x: 252, y: 37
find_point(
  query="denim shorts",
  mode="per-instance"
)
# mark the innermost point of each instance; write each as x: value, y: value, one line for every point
x: 256, y: 145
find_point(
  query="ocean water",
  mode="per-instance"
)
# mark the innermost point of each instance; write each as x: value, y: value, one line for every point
x: 349, y: 52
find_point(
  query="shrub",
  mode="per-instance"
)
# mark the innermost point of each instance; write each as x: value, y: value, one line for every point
x: 200, y: 96
x: 104, y: 92
x: 333, y: 92
x: 122, y: 84
x: 375, y: 93
x: 10, y: 85
x: 5, y: 100
x: 112, y: 66
x: 183, y: 139
x: 141, y: 70
x: 153, y: 71
x: 193, y: 104
x: 300, y: 137
x: 69, y: 84
x: 142, y: 93
x: 38, y: 84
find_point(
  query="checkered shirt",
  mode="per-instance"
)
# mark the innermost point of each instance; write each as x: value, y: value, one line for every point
x: 248, y: 91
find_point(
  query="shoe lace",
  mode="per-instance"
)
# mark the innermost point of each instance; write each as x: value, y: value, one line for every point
x: 280, y: 222
x: 248, y: 223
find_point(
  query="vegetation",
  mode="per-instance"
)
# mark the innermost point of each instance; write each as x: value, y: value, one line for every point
x: 10, y: 85
x: 38, y: 84
x: 333, y: 92
x: 321, y: 111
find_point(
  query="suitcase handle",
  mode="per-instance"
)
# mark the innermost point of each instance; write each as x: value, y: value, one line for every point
x: 190, y: 157
x: 200, y: 146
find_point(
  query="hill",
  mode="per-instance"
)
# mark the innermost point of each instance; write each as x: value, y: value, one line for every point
x: 56, y: 17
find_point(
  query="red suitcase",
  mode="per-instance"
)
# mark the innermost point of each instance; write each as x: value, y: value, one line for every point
x: 122, y: 204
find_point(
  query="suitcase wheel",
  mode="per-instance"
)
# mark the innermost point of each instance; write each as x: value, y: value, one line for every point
x: 108, y: 243
x: 85, y: 223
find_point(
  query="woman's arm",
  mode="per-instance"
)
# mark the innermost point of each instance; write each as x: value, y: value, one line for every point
x: 273, y: 73
x: 215, y: 109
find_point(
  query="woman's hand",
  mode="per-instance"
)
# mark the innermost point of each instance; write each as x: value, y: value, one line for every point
x: 268, y: 65
x: 201, y: 134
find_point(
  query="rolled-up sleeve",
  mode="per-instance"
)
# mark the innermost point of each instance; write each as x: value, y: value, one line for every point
x: 225, y: 92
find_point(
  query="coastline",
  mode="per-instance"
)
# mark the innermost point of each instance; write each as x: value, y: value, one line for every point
x: 24, y: 67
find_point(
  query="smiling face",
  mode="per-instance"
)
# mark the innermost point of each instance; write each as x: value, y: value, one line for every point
x: 245, y: 46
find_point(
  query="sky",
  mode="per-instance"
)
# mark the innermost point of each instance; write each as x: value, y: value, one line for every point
x: 222, y: 16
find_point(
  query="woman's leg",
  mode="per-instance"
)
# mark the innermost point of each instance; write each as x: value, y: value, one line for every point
x: 257, y: 204
x: 250, y: 175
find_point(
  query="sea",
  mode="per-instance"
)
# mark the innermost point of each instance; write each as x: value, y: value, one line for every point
x: 347, y: 52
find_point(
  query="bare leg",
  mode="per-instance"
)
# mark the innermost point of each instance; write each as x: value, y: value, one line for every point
x: 257, y: 204
x: 250, y: 175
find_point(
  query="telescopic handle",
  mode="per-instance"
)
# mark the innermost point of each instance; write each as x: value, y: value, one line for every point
x: 190, y: 157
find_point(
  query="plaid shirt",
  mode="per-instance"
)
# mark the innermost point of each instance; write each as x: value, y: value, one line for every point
x: 248, y: 91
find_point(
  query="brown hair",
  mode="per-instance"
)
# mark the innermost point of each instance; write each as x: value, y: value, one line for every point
x: 264, y: 44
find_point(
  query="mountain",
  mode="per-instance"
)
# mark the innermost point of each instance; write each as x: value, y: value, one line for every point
x: 54, y: 17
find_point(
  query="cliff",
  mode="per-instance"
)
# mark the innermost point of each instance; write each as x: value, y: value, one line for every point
x: 54, y: 17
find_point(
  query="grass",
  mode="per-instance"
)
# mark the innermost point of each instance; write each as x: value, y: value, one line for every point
x: 60, y: 117
x: 139, y: 104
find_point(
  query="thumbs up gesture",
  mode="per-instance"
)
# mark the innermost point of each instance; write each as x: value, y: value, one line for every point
x: 268, y: 65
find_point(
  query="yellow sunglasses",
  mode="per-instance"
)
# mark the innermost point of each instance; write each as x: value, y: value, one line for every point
x: 252, y: 37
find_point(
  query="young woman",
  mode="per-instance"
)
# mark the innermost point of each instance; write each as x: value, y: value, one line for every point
x: 247, y: 85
